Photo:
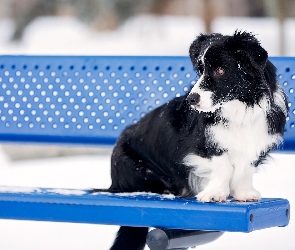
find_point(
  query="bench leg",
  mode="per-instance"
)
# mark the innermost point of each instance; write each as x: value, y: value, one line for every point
x: 162, y: 239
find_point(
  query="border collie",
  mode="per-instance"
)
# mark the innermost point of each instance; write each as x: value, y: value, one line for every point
x: 207, y: 143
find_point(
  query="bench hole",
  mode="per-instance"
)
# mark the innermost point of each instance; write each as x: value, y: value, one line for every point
x: 287, y: 69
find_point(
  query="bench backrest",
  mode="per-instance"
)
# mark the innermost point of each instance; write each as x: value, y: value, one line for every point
x: 90, y: 100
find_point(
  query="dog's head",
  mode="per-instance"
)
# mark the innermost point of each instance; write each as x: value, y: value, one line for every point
x: 229, y: 68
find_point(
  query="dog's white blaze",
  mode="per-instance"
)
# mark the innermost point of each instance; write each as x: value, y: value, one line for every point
x: 244, y: 137
x: 204, y: 53
x: 205, y: 104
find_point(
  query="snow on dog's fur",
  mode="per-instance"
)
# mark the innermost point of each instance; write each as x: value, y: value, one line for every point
x: 208, y: 142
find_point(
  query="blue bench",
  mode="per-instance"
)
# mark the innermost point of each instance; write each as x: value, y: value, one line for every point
x: 89, y: 101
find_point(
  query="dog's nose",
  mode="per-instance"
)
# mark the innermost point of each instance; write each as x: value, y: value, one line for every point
x: 193, y: 98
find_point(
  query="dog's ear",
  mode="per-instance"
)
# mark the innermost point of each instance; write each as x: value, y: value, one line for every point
x: 247, y: 49
x: 197, y: 45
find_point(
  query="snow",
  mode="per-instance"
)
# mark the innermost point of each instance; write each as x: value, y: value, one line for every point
x: 143, y: 35
x: 10, y: 189
x: 76, y: 192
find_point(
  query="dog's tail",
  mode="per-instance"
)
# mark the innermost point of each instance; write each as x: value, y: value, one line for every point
x: 130, y: 238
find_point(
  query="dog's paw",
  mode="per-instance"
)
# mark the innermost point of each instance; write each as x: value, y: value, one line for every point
x: 210, y: 196
x: 250, y: 194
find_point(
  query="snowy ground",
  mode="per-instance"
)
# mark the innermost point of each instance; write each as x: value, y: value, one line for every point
x: 143, y: 35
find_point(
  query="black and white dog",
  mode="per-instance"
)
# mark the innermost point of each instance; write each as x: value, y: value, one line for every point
x: 207, y: 143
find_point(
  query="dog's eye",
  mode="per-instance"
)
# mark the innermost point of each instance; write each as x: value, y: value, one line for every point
x: 219, y: 71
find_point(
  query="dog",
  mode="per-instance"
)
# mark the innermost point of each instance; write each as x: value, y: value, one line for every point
x: 207, y: 143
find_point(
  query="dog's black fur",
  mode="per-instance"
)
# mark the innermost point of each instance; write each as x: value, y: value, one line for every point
x: 148, y: 155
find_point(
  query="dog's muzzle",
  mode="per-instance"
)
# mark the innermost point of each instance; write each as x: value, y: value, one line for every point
x: 193, y: 99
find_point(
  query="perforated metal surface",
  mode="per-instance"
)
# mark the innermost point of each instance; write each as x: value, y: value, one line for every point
x: 286, y: 75
x: 92, y: 99
x: 84, y: 99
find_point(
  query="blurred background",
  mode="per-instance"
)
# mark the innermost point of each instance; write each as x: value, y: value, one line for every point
x: 128, y: 27
x: 134, y: 27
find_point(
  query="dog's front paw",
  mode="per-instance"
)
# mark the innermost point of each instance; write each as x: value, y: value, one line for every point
x: 210, y: 195
x: 250, y: 194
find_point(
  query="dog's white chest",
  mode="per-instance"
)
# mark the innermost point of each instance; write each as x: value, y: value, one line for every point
x: 242, y: 140
x: 245, y: 135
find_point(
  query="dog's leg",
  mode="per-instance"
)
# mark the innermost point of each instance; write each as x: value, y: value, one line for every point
x: 216, y: 173
x: 242, y: 185
x: 131, y: 173
x: 130, y: 238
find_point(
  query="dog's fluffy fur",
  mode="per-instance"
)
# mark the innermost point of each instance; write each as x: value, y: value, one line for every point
x: 208, y: 142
